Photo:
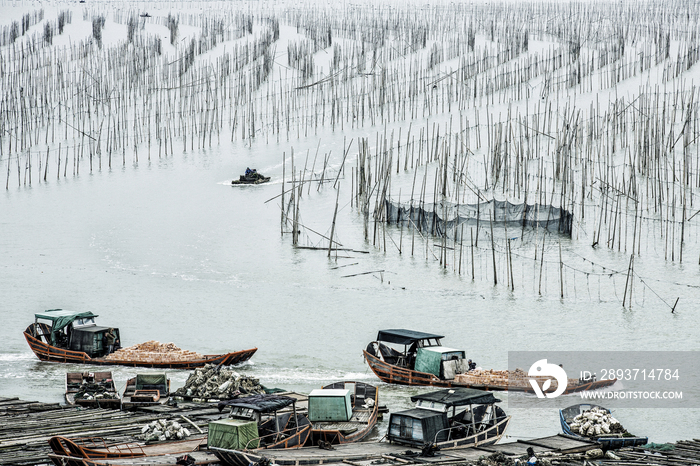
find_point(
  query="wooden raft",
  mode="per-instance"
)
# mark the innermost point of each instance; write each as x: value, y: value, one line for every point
x: 26, y: 426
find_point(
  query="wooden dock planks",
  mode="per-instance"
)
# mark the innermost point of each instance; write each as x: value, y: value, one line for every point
x: 26, y: 426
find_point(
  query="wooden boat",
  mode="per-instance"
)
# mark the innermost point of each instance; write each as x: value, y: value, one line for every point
x: 342, y: 412
x: 92, y: 390
x: 251, y: 177
x: 482, y: 424
x: 431, y: 422
x: 146, y: 390
x: 98, y: 449
x: 199, y: 457
x: 607, y: 441
x: 58, y: 335
x: 424, y: 361
x: 255, y: 424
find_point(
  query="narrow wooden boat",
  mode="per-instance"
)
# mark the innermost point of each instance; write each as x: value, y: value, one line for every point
x: 609, y: 441
x: 146, y: 390
x: 257, y: 423
x: 424, y: 361
x: 58, y: 335
x: 198, y: 457
x: 448, y: 419
x: 92, y: 390
x: 342, y: 412
x: 98, y: 449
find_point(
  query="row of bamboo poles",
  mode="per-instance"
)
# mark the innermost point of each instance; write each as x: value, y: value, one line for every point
x: 475, y: 100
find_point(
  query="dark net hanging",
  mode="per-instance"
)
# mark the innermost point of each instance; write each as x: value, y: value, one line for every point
x: 446, y: 218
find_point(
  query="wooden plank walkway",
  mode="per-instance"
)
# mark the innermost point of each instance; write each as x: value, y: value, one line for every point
x: 26, y: 426
x: 365, y: 451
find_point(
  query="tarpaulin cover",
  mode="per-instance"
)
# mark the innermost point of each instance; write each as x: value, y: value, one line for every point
x: 418, y: 426
x: 233, y: 434
x: 151, y: 381
x: 404, y: 337
x: 446, y: 218
x: 259, y: 403
x: 428, y: 361
x: 61, y: 318
x: 88, y: 339
x: 458, y: 397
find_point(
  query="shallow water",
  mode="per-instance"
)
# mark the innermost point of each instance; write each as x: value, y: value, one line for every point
x: 166, y: 250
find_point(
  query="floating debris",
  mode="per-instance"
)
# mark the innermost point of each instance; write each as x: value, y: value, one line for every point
x: 596, y: 422
x: 213, y: 382
x: 161, y: 430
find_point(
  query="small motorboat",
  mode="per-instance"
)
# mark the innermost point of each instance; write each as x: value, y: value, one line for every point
x: 251, y: 177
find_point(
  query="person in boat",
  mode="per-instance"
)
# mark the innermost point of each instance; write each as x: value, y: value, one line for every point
x: 472, y: 365
x: 248, y: 171
x: 110, y: 338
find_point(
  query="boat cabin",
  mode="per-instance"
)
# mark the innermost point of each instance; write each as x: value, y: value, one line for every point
x: 422, y: 352
x: 445, y: 416
x: 76, y: 331
x: 330, y: 405
x: 255, y: 422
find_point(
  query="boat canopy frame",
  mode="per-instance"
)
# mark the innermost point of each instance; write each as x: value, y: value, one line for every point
x: 454, y: 397
x: 408, y: 337
x: 262, y: 403
x: 60, y: 319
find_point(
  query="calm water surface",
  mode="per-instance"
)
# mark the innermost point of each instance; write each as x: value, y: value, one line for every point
x: 167, y: 250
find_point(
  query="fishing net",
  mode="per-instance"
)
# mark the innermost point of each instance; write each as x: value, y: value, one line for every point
x: 446, y: 218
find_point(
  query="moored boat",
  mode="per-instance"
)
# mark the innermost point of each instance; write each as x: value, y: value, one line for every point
x: 342, y: 412
x: 59, y: 335
x: 425, y: 361
x: 146, y: 390
x: 255, y: 424
x: 449, y: 418
x: 596, y: 423
x: 98, y: 448
x: 453, y: 420
x: 92, y: 390
x: 168, y: 459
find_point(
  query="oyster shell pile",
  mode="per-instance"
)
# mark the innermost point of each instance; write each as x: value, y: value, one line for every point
x: 208, y: 382
x: 162, y: 430
x: 95, y: 391
x: 596, y: 422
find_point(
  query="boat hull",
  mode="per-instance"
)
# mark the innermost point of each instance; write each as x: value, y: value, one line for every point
x: 607, y: 443
x: 49, y: 353
x: 390, y: 373
x: 247, y: 457
x: 364, y: 452
x: 257, y: 181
